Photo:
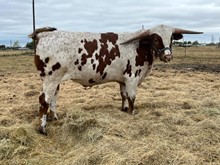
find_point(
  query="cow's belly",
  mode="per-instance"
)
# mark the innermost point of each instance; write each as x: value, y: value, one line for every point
x: 88, y: 76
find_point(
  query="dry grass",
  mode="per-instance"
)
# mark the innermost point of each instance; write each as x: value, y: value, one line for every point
x: 6, y: 53
x: 178, y: 120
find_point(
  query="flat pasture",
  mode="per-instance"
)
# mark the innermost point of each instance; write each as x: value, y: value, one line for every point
x: 178, y: 120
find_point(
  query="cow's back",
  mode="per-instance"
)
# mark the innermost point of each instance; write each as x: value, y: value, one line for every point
x: 89, y: 58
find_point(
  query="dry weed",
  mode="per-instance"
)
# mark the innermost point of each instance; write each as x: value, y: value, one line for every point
x: 178, y: 120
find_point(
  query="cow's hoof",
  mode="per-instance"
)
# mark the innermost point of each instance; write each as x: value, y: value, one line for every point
x: 134, y: 112
x: 42, y: 131
x: 124, y: 109
x: 52, y: 116
x: 55, y: 117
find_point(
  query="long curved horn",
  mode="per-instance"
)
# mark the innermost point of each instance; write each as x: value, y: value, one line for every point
x: 182, y: 31
x: 139, y: 36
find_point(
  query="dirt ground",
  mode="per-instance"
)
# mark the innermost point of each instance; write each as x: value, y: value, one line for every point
x: 178, y: 120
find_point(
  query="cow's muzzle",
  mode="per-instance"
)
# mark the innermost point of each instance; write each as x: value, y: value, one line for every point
x: 165, y: 54
x: 167, y: 58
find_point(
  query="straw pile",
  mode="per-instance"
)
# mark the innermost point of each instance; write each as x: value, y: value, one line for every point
x: 178, y: 120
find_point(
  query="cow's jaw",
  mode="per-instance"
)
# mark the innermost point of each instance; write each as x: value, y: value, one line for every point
x: 166, y: 54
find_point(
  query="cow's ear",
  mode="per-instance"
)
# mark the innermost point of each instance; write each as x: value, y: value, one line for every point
x: 177, y: 36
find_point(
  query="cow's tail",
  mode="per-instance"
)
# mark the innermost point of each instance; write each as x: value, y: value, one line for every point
x: 40, y: 30
x: 36, y: 32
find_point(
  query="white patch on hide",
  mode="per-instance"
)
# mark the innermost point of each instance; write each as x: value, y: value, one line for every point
x: 110, y: 46
x: 166, y: 52
x: 43, y: 121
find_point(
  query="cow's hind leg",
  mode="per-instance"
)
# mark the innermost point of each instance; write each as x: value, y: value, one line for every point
x: 45, y: 99
x: 53, y: 115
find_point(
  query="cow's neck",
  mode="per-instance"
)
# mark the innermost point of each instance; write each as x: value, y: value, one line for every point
x: 144, y: 54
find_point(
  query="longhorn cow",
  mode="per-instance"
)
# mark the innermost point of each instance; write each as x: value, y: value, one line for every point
x: 96, y: 58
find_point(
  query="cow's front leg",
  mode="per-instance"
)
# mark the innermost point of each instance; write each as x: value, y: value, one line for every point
x: 131, y: 109
x: 125, y: 105
x: 130, y: 88
x: 43, y: 113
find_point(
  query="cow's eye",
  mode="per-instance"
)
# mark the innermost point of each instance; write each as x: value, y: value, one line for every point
x: 156, y: 41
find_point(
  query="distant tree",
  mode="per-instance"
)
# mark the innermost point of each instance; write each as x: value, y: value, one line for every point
x: 30, y: 45
x: 177, y: 43
x: 195, y: 43
x: 185, y: 43
x: 16, y: 44
x: 180, y: 43
x: 2, y: 47
x: 189, y: 42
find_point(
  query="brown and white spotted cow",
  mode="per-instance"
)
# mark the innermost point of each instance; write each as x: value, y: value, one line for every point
x: 95, y: 58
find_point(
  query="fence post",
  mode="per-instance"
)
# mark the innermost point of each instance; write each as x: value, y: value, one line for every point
x: 33, y: 10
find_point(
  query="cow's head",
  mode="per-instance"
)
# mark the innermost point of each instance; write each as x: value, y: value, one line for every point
x: 160, y: 38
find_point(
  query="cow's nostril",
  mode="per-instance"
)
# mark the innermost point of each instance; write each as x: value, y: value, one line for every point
x: 168, y: 57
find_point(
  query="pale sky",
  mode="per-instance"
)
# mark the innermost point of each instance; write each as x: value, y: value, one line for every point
x: 109, y: 16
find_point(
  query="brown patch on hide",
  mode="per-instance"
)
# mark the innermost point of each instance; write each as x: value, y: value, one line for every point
x: 128, y: 69
x: 42, y: 100
x: 39, y: 65
x: 93, y: 66
x: 96, y: 56
x: 76, y: 62
x: 80, y: 50
x: 104, y: 75
x: 44, y: 105
x: 83, y: 59
x: 56, y: 66
x: 46, y: 60
x: 138, y: 72
x: 90, y: 47
x: 79, y: 68
x: 42, y: 74
x: 111, y: 37
x: 144, y: 53
x: 92, y: 61
x: 105, y: 56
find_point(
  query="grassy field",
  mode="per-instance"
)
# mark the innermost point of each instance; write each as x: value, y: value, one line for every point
x: 178, y: 120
